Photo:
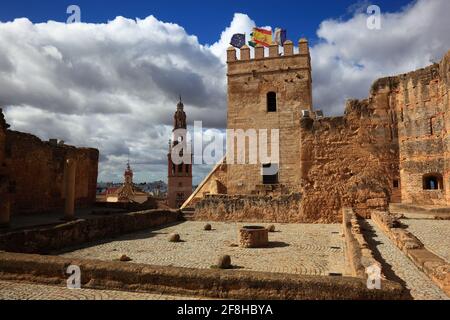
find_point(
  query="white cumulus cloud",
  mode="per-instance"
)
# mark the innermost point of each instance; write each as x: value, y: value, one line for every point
x: 114, y: 86
x: 350, y: 56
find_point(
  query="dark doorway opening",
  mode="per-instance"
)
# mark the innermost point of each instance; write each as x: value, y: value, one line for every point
x: 270, y: 173
x: 271, y: 102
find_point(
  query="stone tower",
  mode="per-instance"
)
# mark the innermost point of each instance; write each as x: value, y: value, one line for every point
x: 179, y: 175
x: 269, y: 92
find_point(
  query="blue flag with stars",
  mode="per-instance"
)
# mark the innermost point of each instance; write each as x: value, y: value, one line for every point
x: 238, y: 40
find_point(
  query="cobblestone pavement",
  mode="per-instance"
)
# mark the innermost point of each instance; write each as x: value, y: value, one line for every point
x: 421, y: 287
x: 10, y: 290
x: 294, y: 248
x: 434, y: 234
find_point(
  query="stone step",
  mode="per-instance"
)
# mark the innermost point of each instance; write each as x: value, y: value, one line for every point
x: 188, y: 214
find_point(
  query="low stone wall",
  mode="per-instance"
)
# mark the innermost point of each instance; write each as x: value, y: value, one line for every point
x: 404, y: 239
x: 250, y: 208
x: 432, y: 265
x: 228, y: 284
x: 357, y: 252
x: 56, y: 237
x: 420, y: 211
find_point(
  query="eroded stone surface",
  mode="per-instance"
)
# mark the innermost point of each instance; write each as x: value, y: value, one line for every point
x: 35, y: 171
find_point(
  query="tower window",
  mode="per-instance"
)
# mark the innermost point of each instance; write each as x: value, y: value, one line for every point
x: 270, y: 173
x: 432, y: 181
x: 396, y: 184
x: 271, y: 102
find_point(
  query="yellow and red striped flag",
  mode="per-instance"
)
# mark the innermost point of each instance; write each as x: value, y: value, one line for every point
x: 262, y: 36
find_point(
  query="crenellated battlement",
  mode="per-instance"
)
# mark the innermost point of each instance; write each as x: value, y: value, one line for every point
x: 270, y: 61
x: 274, y: 52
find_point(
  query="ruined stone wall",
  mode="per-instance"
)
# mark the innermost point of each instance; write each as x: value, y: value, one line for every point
x: 250, y: 208
x: 37, y: 173
x: 421, y: 103
x: 348, y: 161
x: 380, y: 150
x: 4, y: 174
x: 3, y: 127
x: 249, y: 81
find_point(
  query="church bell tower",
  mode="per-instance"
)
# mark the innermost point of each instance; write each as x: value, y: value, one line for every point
x: 179, y: 175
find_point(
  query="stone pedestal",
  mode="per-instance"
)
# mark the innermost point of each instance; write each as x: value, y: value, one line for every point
x: 253, y: 237
x: 69, y: 189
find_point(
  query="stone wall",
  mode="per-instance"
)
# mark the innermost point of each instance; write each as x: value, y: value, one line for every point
x: 380, y: 150
x: 250, y: 208
x: 421, y: 102
x: 357, y: 251
x: 348, y: 161
x: 36, y: 173
x: 43, y: 240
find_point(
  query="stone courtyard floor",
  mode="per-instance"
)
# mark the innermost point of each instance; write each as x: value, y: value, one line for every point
x: 294, y: 248
x: 398, y: 267
x: 434, y: 234
x: 12, y: 290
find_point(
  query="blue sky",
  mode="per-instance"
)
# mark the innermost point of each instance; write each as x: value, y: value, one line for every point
x: 204, y: 18
x: 113, y: 83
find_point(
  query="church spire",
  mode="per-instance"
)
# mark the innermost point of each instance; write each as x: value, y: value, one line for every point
x: 128, y: 174
x: 179, y: 119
